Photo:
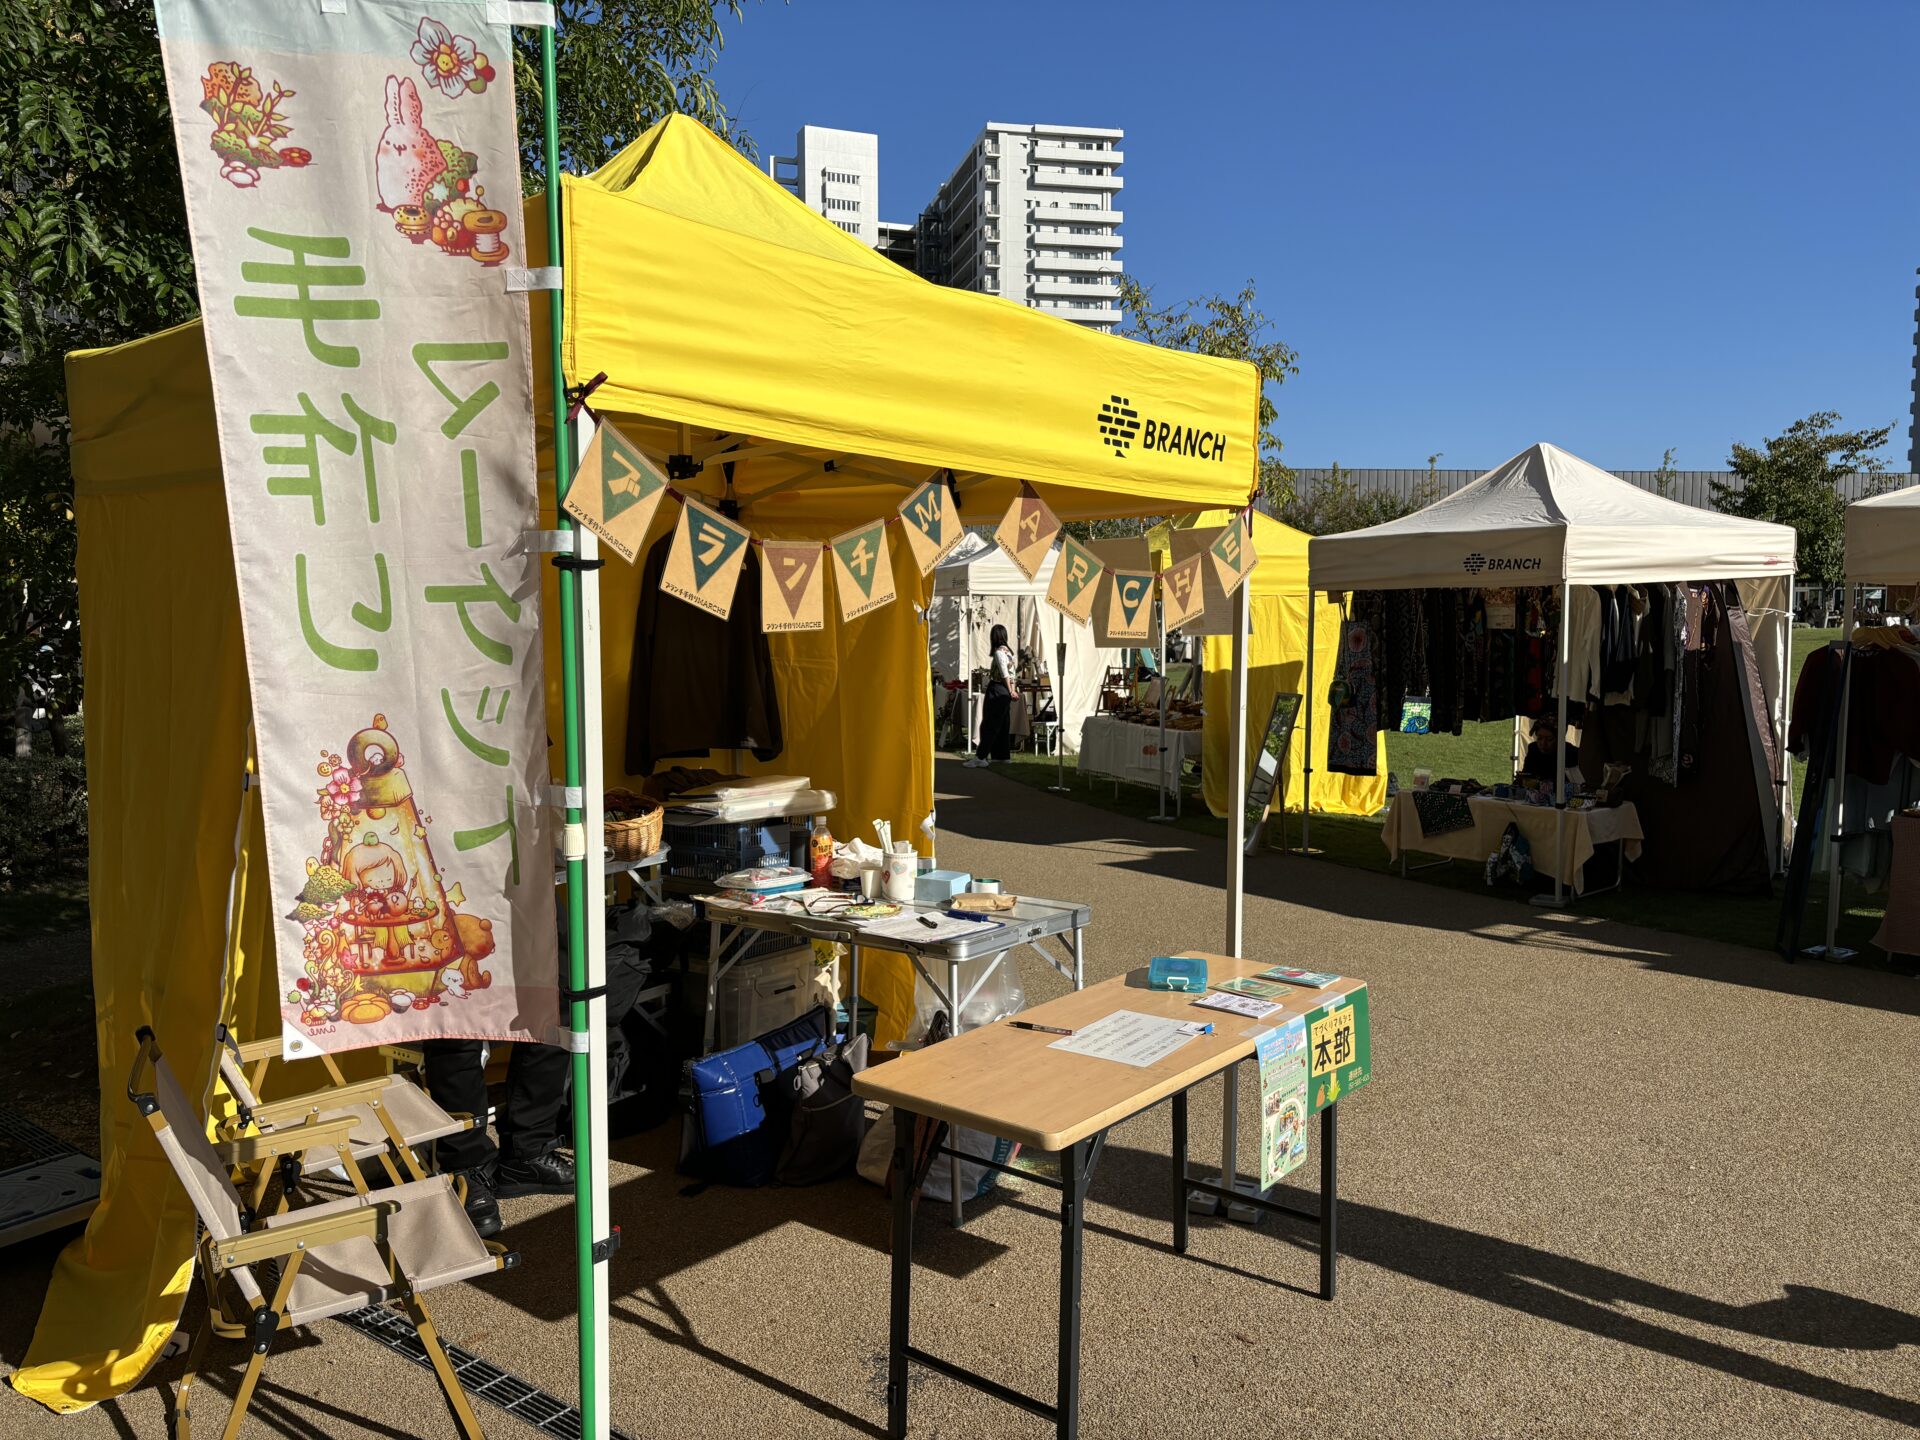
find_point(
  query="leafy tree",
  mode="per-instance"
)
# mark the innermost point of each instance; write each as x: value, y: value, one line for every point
x: 1794, y: 480
x: 1233, y: 327
x: 1334, y: 502
x: 94, y: 250
x: 1663, y: 477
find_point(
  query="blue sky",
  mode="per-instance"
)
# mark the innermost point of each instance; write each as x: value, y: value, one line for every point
x: 1616, y: 227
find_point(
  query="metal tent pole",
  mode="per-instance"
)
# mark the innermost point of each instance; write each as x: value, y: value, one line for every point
x: 1831, y: 950
x: 1236, y: 903
x: 1560, y: 755
x: 589, y: 1207
x: 1160, y: 755
x: 1783, y: 710
x: 1059, y: 786
x: 1306, y: 759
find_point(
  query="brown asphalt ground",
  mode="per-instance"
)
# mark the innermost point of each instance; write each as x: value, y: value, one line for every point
x: 1605, y: 1182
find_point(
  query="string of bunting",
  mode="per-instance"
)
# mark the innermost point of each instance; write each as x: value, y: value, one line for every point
x: 617, y: 491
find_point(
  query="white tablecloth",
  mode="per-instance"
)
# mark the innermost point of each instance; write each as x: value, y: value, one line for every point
x: 1110, y: 746
x: 1585, y: 829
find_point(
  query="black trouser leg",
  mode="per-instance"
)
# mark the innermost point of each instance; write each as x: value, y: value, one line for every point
x: 458, y: 1083
x: 1180, y: 1173
x: 900, y: 1309
x: 536, y: 1091
x: 1073, y: 1161
x: 1329, y: 1196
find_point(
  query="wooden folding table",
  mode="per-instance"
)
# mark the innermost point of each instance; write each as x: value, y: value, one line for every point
x: 1009, y: 1082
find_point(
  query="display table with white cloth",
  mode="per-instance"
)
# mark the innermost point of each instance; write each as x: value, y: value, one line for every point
x: 1585, y: 829
x: 1130, y: 752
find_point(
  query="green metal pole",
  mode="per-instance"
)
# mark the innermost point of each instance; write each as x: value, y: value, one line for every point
x: 590, y: 1420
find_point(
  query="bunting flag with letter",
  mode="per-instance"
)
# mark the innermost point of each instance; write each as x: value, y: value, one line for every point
x: 1130, y: 555
x: 703, y: 567
x: 1183, y: 593
x: 863, y: 572
x: 615, y: 492
x: 932, y: 523
x: 1233, y: 554
x: 1027, y: 531
x: 350, y: 199
x: 792, y: 593
x: 1130, y: 605
x: 1076, y: 580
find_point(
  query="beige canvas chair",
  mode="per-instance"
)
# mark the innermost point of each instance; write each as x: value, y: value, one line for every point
x: 320, y: 1261
x: 392, y: 1117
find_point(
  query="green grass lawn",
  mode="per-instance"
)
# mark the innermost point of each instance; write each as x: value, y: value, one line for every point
x: 1482, y: 752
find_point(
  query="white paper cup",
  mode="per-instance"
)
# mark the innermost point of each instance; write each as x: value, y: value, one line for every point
x: 985, y: 887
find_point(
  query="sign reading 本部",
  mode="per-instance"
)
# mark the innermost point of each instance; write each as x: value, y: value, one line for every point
x: 352, y: 185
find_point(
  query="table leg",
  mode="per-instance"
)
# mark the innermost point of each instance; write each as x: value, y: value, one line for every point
x: 714, y: 946
x: 900, y: 1308
x: 1079, y: 958
x: 1329, y: 1196
x: 953, y: 1135
x: 1180, y: 1172
x: 1229, y: 1130
x: 1072, y: 1214
x: 853, y: 999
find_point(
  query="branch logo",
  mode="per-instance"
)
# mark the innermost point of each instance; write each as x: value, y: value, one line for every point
x: 1474, y: 563
x: 1119, y: 424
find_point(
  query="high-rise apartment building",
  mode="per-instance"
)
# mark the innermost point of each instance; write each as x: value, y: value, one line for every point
x: 837, y: 173
x: 1031, y: 214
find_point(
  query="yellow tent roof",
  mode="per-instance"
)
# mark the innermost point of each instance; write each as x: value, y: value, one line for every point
x: 1282, y: 550
x: 712, y: 298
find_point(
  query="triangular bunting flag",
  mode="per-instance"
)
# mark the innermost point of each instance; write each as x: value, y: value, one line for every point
x: 615, y: 492
x: 932, y: 523
x: 1233, y: 555
x: 1076, y: 580
x: 1183, y: 593
x: 792, y: 592
x: 863, y: 571
x: 1130, y: 610
x: 1027, y: 532
x: 704, y: 564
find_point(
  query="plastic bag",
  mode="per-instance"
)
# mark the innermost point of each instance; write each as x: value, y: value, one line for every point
x: 876, y: 1157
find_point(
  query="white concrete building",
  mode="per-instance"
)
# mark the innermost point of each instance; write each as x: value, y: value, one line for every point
x: 837, y: 173
x: 1032, y: 214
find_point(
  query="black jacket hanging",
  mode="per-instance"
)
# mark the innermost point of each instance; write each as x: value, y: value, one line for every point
x: 699, y: 683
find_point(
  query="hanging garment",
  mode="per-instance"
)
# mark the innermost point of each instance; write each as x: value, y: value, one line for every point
x: 1502, y: 652
x: 699, y: 683
x: 1538, y: 652
x: 1473, y: 656
x: 1618, y: 638
x: 1442, y: 629
x: 1583, y: 644
x: 1352, y: 743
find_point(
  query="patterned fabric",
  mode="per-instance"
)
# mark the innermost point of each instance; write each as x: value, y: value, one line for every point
x: 1352, y: 746
x: 1440, y: 813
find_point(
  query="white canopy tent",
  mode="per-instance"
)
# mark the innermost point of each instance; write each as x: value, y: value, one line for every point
x: 978, y: 587
x: 1883, y: 547
x: 1546, y: 517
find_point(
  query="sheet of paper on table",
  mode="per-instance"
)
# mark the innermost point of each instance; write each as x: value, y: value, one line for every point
x: 1129, y: 1037
x: 944, y: 927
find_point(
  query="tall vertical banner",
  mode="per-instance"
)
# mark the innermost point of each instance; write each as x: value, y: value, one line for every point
x: 352, y: 185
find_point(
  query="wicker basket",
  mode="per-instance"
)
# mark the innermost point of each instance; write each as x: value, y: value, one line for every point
x: 633, y: 825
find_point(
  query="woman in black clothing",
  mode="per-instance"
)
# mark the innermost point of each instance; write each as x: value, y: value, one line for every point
x: 996, y: 716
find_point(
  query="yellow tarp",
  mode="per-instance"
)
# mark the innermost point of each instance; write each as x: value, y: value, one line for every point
x: 1277, y: 662
x: 725, y: 314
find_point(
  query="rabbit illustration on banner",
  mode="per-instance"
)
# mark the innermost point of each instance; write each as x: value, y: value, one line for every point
x: 408, y: 159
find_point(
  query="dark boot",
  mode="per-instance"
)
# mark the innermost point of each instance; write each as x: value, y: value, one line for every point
x: 482, y: 1208
x: 547, y: 1173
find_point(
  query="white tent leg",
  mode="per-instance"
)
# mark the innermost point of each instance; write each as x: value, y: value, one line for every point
x: 1059, y: 785
x: 1783, y: 708
x: 1306, y: 759
x: 1236, y: 901
x: 1560, y: 756
x: 1838, y: 827
x: 593, y: 778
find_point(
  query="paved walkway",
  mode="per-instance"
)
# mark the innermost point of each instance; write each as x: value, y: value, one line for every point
x: 1606, y: 1182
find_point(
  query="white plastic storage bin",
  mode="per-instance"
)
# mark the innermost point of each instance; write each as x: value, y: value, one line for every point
x: 761, y: 993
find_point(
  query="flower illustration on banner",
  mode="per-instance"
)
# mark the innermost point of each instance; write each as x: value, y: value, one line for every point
x: 380, y: 935
x: 450, y: 63
x: 427, y: 183
x: 247, y: 124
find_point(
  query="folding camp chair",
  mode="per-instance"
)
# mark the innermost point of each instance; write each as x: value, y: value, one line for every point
x: 391, y: 1117
x: 320, y: 1261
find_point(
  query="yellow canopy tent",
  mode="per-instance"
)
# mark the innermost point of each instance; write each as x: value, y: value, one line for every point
x: 733, y: 327
x: 1276, y: 662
